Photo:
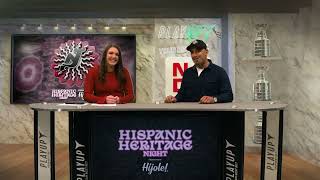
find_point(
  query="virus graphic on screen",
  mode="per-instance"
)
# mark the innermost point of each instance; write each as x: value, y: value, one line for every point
x: 28, y: 74
x: 72, y: 61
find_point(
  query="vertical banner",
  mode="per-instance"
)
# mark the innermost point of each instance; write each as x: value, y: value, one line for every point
x: 174, y: 69
x: 271, y: 146
x: 79, y: 129
x: 45, y: 146
x: 233, y: 145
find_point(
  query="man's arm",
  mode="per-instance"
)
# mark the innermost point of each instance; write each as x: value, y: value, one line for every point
x: 181, y: 91
x: 225, y: 90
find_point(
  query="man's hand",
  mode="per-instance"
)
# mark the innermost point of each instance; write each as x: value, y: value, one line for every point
x: 207, y: 100
x: 111, y: 99
x: 170, y: 99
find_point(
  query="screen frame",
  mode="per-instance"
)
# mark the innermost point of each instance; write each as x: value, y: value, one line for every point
x: 13, y: 36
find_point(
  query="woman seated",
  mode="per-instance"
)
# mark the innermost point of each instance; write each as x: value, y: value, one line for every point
x: 109, y: 82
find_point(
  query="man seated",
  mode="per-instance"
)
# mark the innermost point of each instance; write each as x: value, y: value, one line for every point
x: 204, y: 82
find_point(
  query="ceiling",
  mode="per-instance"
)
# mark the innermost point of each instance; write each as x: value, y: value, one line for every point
x: 143, y: 8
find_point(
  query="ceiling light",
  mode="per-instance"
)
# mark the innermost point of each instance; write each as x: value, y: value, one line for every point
x: 56, y: 27
x: 40, y: 27
x: 107, y: 27
x: 74, y: 27
x: 90, y: 27
x: 23, y: 27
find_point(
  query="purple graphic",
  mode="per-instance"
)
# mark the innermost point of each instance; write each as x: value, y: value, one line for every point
x: 155, y: 143
x: 72, y: 61
x: 29, y: 74
x: 52, y: 67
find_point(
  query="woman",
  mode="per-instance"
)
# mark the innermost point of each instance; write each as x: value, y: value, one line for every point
x: 110, y: 82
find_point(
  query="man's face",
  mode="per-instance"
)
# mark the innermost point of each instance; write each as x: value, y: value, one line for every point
x: 199, y: 57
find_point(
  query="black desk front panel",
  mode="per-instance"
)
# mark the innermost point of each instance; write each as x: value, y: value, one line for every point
x: 148, y: 145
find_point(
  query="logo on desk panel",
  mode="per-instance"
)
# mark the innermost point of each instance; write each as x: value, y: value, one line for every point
x: 231, y: 164
x: 155, y: 145
x: 44, y: 151
x: 81, y: 163
x: 271, y: 153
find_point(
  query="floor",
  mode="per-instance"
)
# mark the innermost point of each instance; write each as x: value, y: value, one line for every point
x: 17, y: 163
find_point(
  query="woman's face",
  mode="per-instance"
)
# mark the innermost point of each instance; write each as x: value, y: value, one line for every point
x: 112, y: 56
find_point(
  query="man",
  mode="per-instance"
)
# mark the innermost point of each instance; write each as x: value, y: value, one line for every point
x: 204, y: 82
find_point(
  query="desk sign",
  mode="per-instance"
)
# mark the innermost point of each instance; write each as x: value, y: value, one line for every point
x: 154, y: 145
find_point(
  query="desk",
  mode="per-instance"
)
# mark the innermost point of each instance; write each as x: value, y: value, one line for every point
x: 190, y: 140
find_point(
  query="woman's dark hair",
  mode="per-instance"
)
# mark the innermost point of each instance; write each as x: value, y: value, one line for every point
x: 118, y: 69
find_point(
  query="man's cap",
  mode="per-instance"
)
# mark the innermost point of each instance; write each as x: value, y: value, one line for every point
x: 197, y: 44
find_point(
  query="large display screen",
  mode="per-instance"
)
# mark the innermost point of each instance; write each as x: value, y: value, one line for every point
x: 52, y: 67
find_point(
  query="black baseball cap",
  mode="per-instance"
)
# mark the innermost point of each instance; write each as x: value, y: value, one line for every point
x: 197, y: 44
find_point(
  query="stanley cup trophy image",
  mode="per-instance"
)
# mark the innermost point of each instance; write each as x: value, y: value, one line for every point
x: 261, y: 43
x: 262, y: 87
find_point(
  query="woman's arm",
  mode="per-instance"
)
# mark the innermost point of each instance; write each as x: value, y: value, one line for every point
x: 89, y: 87
x: 128, y: 89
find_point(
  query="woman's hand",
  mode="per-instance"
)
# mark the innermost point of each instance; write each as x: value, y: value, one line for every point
x: 112, y: 99
x: 117, y: 99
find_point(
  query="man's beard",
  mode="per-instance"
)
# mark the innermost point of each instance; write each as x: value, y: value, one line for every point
x: 198, y: 64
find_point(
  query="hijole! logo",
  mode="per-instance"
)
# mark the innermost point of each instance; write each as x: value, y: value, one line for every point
x: 155, y: 143
x: 72, y: 61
